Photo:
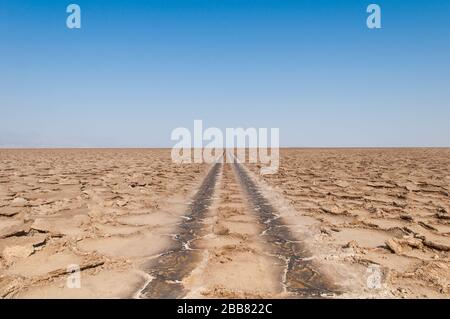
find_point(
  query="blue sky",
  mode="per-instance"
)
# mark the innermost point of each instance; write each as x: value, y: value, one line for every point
x: 138, y: 69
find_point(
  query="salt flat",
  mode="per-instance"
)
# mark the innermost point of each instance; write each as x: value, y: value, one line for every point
x: 331, y: 222
x: 383, y: 208
x: 89, y: 207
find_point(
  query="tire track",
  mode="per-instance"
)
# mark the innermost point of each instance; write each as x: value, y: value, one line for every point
x: 171, y: 267
x: 297, y: 274
x: 300, y: 278
x: 236, y: 262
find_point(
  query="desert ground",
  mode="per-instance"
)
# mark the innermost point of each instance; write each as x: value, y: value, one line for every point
x: 331, y: 223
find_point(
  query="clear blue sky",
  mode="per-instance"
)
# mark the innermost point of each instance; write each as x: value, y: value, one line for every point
x: 138, y: 69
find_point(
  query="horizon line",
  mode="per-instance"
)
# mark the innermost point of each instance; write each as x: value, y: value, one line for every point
x: 164, y: 147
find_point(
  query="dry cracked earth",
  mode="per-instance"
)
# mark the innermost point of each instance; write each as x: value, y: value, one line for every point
x: 332, y: 223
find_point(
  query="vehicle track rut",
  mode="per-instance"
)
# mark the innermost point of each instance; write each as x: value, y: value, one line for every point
x: 194, y: 265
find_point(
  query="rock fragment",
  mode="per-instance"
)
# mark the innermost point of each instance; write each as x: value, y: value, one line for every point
x: 12, y: 252
x: 19, y: 202
x: 436, y: 245
x: 16, y: 230
x: 394, y: 246
x: 9, y: 211
x: 220, y: 229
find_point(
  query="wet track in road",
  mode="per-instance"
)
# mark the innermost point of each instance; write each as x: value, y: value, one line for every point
x: 172, y: 266
x: 299, y: 278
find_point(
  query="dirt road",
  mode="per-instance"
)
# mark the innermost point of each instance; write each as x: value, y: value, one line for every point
x: 233, y: 244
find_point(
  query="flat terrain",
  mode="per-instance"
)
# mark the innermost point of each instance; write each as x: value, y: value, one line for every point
x: 369, y: 208
x: 104, y: 210
x: 331, y: 223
